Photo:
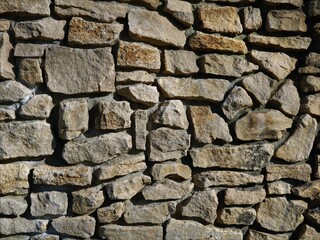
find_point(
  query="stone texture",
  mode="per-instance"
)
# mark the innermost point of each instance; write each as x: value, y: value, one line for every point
x: 39, y: 106
x: 29, y: 50
x: 310, y: 104
x: 310, y: 190
x: 6, y: 67
x: 308, y: 232
x: 111, y: 213
x: 279, y: 188
x: 313, y: 215
x: 10, y: 205
x: 252, y: 19
x: 312, y: 59
x: 180, y: 10
x: 84, y: 33
x: 314, y: 8
x: 13, y: 91
x: 310, y: 84
x: 7, y: 113
x: 138, y: 76
x: 208, y: 126
x: 9, y: 226
x: 236, y: 216
x: 30, y: 71
x: 140, y: 129
x: 254, y: 235
x: 4, y: 25
x: 171, y: 169
x: 286, y: 21
x: 296, y: 3
x: 245, y: 157
x: 70, y: 70
x: 140, y: 93
x: 26, y: 8
x: 180, y: 62
x: 45, y: 236
x: 299, y: 172
x: 156, y: 29
x: 87, y: 200
x: 243, y: 196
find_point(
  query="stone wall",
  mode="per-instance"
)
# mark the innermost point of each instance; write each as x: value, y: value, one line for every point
x: 143, y: 119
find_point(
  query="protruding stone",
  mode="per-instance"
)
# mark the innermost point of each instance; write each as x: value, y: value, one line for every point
x: 87, y: 200
x: 299, y: 172
x: 252, y: 19
x: 310, y: 104
x: 180, y: 10
x: 236, y: 196
x: 139, y: 76
x: 310, y: 84
x: 236, y: 216
x: 296, y: 3
x: 26, y: 8
x: 310, y: 190
x: 30, y: 71
x: 29, y: 50
x: 6, y: 67
x: 10, y: 226
x: 308, y: 232
x: 180, y: 62
x: 111, y: 213
x: 140, y: 129
x: 12, y: 91
x: 286, y: 21
x: 39, y: 106
x: 279, y: 188
x: 7, y: 113
x: 313, y: 215
x: 140, y: 93
x: 10, y: 205
x: 172, y: 169
x: 254, y: 235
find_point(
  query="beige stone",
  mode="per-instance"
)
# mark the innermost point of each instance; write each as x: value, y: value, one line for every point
x: 30, y: 71
x: 296, y: 3
x: 314, y: 8
x: 312, y: 59
x: 286, y: 21
x: 4, y: 25
x: 26, y: 8
x: 45, y: 236
x: 311, y: 104
x: 252, y: 19
x: 310, y: 84
x: 180, y: 10
x: 299, y: 172
x: 140, y: 93
x: 256, y: 235
x: 308, y: 232
x: 140, y: 129
x: 29, y: 50
x: 180, y: 62
x: 138, y: 76
x: 313, y: 215
x: 244, y: 196
x: 13, y: 205
x: 87, y: 200
x: 310, y: 190
x: 6, y: 67
x: 171, y: 169
x: 236, y: 216
x: 10, y: 226
x: 279, y: 188
x: 39, y: 106
x: 12, y: 91
x: 7, y: 113
x: 111, y: 213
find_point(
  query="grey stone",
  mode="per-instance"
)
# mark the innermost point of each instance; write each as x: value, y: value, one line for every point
x: 140, y: 93
x: 310, y: 104
x: 279, y: 188
x: 26, y: 8
x: 87, y: 200
x: 296, y: 3
x: 252, y: 19
x: 310, y: 190
x: 286, y: 21
x: 7, y: 113
x: 236, y: 216
x: 30, y: 71
x: 180, y: 10
x: 310, y: 84
x: 254, y: 235
x: 244, y: 196
x: 11, y: 205
x: 39, y: 106
x: 10, y: 226
x: 138, y: 76
x: 29, y: 50
x: 111, y: 213
x: 13, y: 91
x: 140, y: 129
x: 299, y: 172
x: 6, y: 67
x: 171, y: 169
x: 180, y: 62
x: 45, y: 236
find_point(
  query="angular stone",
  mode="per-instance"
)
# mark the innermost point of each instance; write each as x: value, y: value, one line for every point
x: 70, y: 70
x: 203, y: 205
x: 138, y: 56
x: 299, y: 172
x: 280, y: 215
x: 236, y: 196
x: 317, y: 166
x: 82, y: 32
x: 97, y: 149
x: 172, y: 169
x: 140, y: 129
x: 149, y: 4
x: 140, y: 93
x: 236, y: 216
x: 279, y: 188
x: 45, y: 236
x: 308, y: 232
x: 260, y: 125
x: 296, y: 3
x: 298, y: 146
x: 309, y: 70
x: 233, y: 1
x: 167, y: 190
x: 280, y: 66
x: 252, y: 19
x: 166, y: 144
x: 226, y: 178
x: 310, y: 190
x: 26, y: 8
x: 29, y: 50
x: 180, y: 10
x: 13, y: 91
x: 310, y: 84
x: 254, y: 235
x: 7, y: 113
x: 30, y: 71
x: 314, y: 8
x: 79, y: 175
x: 311, y: 104
x: 5, y: 25
x: 212, y: 90
x: 111, y: 213
x: 87, y: 200
x: 10, y: 205
x: 9, y: 226
x: 180, y: 62
x: 208, y: 126
x: 312, y: 59
x: 48, y: 203
x: 226, y: 65
x: 313, y: 215
x: 135, y: 77
x: 82, y: 226
x: 156, y: 30
x: 286, y: 21
x: 6, y: 67
x: 39, y: 106
x: 219, y: 19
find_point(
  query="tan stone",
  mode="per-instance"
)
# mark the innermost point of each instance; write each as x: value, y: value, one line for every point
x: 30, y: 71
x: 6, y: 67
x: 236, y: 216
x: 111, y: 213
x: 310, y: 190
x: 252, y: 19
x: 140, y: 129
x: 171, y: 169
x: 87, y: 200
x: 299, y: 172
x: 310, y: 84
x: 39, y: 106
x: 308, y: 232
x: 12, y: 91
x: 279, y: 188
x: 244, y: 196
x: 180, y: 62
x: 138, y: 76
x: 311, y: 104
x: 286, y: 21
x: 10, y: 226
x: 7, y: 113
x: 313, y: 215
x: 13, y: 205
x: 296, y: 3
x: 140, y: 93
x: 314, y: 8
x: 29, y: 50
x: 256, y: 235
x: 180, y: 10
x: 4, y: 25
x: 312, y: 59
x: 26, y: 8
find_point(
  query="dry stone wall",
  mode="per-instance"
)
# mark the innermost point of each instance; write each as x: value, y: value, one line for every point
x: 151, y: 119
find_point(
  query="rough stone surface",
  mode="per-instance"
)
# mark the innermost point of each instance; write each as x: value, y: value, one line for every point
x: 6, y: 67
x: 310, y: 104
x: 30, y: 71
x: 7, y: 113
x: 236, y: 216
x: 254, y: 235
x: 279, y: 188
x: 87, y: 200
x: 138, y: 76
x: 180, y: 10
x: 310, y: 84
x: 9, y: 226
x: 26, y: 8
x: 314, y: 8
x: 286, y: 21
x: 299, y: 172
x: 13, y: 91
x: 236, y: 196
x: 111, y: 213
x: 13, y: 205
x: 4, y: 25
x: 296, y: 3
x: 313, y: 215
x: 310, y: 190
x: 172, y: 169
x: 29, y: 50
x: 39, y: 106
x: 180, y: 62
x: 252, y: 19
x: 140, y: 129
x: 308, y: 232
x: 140, y: 93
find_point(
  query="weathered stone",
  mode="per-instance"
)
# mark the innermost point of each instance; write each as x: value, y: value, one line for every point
x: 226, y: 65
x: 311, y: 104
x: 79, y: 175
x: 6, y: 67
x: 167, y: 190
x: 208, y: 126
x: 236, y: 216
x: 171, y: 169
x: 280, y: 215
x: 30, y: 71
x: 313, y: 215
x: 82, y: 32
x: 26, y: 8
x: 156, y: 30
x: 309, y: 70
x: 10, y: 205
x: 149, y: 4
x: 280, y: 66
x: 308, y: 232
x: 310, y: 190
x: 312, y: 59
x: 140, y: 93
x: 186, y: 230
x: 180, y: 10
x: 252, y: 19
x: 219, y: 19
x: 299, y: 172
x: 212, y: 43
x: 45, y: 236
x: 279, y: 188
x: 7, y: 113
x: 256, y: 235
x: 97, y: 149
x: 286, y: 21
x: 70, y: 70
x: 138, y: 56
x: 314, y: 8
x: 82, y: 226
x: 39, y: 106
x: 111, y: 213
x: 180, y: 62
x: 114, y: 232
x: 212, y: 90
x: 167, y: 144
x: 317, y: 166
x: 128, y: 186
x: 296, y: 3
x: 310, y: 84
x: 17, y: 237
x: 9, y: 226
x: 48, y: 203
x: 13, y: 91
x: 226, y: 178
x: 236, y: 196
x: 202, y: 204
x: 4, y: 25
x: 140, y: 129
x: 233, y: 1
x: 298, y: 146
x: 245, y: 157
x: 29, y: 50
x: 87, y: 200
x: 139, y: 76
x: 47, y: 29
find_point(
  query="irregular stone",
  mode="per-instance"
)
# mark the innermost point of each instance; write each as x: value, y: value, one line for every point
x: 135, y: 77
x: 296, y: 3
x: 308, y: 232
x: 310, y: 190
x: 311, y: 104
x: 172, y: 169
x: 167, y: 190
x: 48, y: 203
x: 138, y: 56
x: 286, y: 21
x: 317, y: 166
x: 202, y: 204
x: 167, y: 144
x: 26, y: 8
x: 82, y: 226
x: 87, y: 200
x: 156, y: 30
x: 234, y: 1
x: 280, y: 215
x: 219, y: 19
x: 97, y: 149
x: 6, y: 67
x: 82, y: 32
x: 212, y: 90
x: 208, y: 126
x: 298, y: 146
x: 180, y: 62
x: 309, y: 70
x: 45, y: 236
x: 260, y: 125
x: 79, y: 175
x: 313, y: 215
x: 39, y: 106
x: 279, y: 188
x: 280, y: 66
x: 216, y: 43
x: 13, y: 91
x: 314, y: 8
x: 111, y: 213
x: 140, y: 93
x: 149, y: 4
x: 9, y: 226
x: 17, y: 237
x: 5, y: 25
x: 226, y: 65
x: 10, y: 205
x: 299, y: 172
x: 29, y: 50
x: 254, y: 235
x: 140, y: 129
x: 310, y: 84
x: 180, y: 10
x: 7, y: 113
x: 70, y: 70
x: 252, y: 19
x: 312, y: 59
x: 236, y: 216
x: 30, y: 71
x: 236, y: 196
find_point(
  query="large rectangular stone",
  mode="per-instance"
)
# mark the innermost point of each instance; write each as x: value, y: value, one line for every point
x: 25, y: 7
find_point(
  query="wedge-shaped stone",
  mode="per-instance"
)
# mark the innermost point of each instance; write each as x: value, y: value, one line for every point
x: 216, y: 43
x: 6, y: 67
x: 310, y: 84
x: 279, y: 188
x: 254, y: 235
x: 310, y: 190
x: 10, y: 205
x: 308, y: 232
x: 156, y: 30
x: 171, y: 169
x: 180, y: 62
x: 286, y: 21
x: 280, y: 66
x: 246, y: 157
x: 10, y: 226
x: 29, y: 50
x: 87, y: 200
x: 13, y: 91
x: 111, y: 213
x: 180, y: 10
x: 26, y: 8
x: 212, y: 90
x: 298, y: 146
x: 140, y: 129
x: 310, y: 104
x: 237, y: 196
x: 296, y: 3
x: 226, y: 65
x: 299, y: 172
x: 140, y: 93
x: 252, y: 19
x: 138, y: 76
x: 236, y: 216
x: 7, y: 113
x: 266, y: 124
x: 70, y: 70
x: 39, y: 106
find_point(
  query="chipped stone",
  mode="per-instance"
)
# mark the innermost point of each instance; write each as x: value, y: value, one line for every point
x: 313, y: 215
x: 7, y: 113
x: 139, y: 76
x: 111, y: 213
x: 310, y: 190
x: 310, y: 104
x: 299, y: 172
x: 180, y: 62
x: 236, y: 196
x: 87, y: 200
x: 39, y: 106
x: 310, y: 84
x: 286, y: 21
x: 140, y: 93
x: 252, y: 19
x: 279, y: 188
x: 236, y: 216
x: 180, y: 10
x: 171, y: 169
x: 10, y: 205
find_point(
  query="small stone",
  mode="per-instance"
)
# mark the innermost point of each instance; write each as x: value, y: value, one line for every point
x: 296, y: 3
x: 135, y: 77
x: 156, y: 30
x: 12, y: 91
x: 279, y: 188
x: 314, y: 8
x: 10, y: 205
x: 26, y: 8
x: 4, y: 25
x: 299, y: 172
x: 9, y: 226
x: 254, y: 235
x: 167, y: 144
x: 236, y: 216
x: 138, y: 56
x: 310, y: 190
x: 280, y: 215
x: 180, y: 10
x: 17, y: 237
x: 309, y: 70
x: 30, y: 71
x: 252, y: 20
x: 39, y: 106
x: 82, y: 32
x: 7, y: 113
x: 311, y: 104
x: 172, y: 169
x: 140, y: 93
x: 236, y: 196
x: 111, y: 213
x: 313, y: 215
x: 180, y: 62
x: 308, y: 232
x: 29, y: 50
x: 82, y: 226
x: 48, y: 203
x: 87, y: 200
x: 6, y: 67
x: 208, y: 126
x: 312, y: 59
x: 310, y: 84
x: 298, y: 146
x: 317, y: 166
x: 286, y: 21
x: 226, y: 65
x: 140, y: 129
x: 280, y: 66
x: 45, y: 236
